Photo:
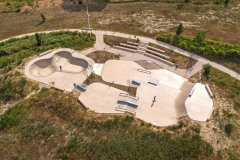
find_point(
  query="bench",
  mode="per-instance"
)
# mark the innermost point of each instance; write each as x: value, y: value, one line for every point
x: 128, y: 46
x: 157, y: 54
x: 156, y: 49
x: 153, y: 81
x: 159, y: 58
x: 128, y: 103
x: 81, y: 88
x: 136, y: 82
x: 132, y: 43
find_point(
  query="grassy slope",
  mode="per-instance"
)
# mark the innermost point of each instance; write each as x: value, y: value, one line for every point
x: 227, y: 86
x: 52, y: 124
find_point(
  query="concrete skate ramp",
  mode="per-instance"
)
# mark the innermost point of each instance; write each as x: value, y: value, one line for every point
x: 69, y: 64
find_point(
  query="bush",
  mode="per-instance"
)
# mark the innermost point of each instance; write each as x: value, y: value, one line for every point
x: 228, y: 129
x: 207, y: 69
x: 128, y: 118
x: 10, y: 117
x: 200, y: 45
x: 4, y: 61
x: 72, y: 144
x: 3, y: 53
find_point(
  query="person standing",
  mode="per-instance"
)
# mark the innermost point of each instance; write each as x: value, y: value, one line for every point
x: 60, y: 67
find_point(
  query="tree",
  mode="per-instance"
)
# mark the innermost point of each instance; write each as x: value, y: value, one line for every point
x: 38, y: 38
x: 179, y: 30
x: 207, y: 69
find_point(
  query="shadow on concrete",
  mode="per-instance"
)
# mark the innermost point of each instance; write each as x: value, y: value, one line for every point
x: 78, y: 5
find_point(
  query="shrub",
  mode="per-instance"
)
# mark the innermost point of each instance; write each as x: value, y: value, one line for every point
x: 207, y: 69
x: 128, y: 118
x: 38, y: 39
x: 4, y: 61
x: 192, y: 48
x: 72, y: 144
x: 228, y: 129
x: 179, y: 29
x: 3, y: 53
x: 10, y: 117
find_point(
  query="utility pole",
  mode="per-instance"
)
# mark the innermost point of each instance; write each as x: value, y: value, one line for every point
x: 88, y: 18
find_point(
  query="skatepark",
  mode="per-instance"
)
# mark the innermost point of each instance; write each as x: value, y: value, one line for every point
x: 60, y: 68
x: 62, y: 61
x: 162, y: 95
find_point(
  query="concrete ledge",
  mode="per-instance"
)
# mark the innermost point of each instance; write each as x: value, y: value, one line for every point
x: 124, y: 48
x: 44, y: 53
x: 158, y: 54
x: 161, y: 59
x: 127, y: 45
x: 132, y: 43
x: 209, y: 90
x: 156, y: 49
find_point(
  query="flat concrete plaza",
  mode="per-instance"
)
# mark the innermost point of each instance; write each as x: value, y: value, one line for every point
x: 123, y: 72
x: 167, y: 107
x: 101, y: 98
x: 60, y: 68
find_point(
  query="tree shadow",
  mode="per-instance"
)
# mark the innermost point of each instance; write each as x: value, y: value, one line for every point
x: 78, y: 5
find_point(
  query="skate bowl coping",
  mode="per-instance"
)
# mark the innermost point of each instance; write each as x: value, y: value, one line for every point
x: 61, y: 61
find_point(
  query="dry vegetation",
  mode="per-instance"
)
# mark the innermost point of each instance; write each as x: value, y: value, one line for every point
x: 102, y: 56
x: 147, y: 18
x: 226, y: 112
x: 182, y: 61
x: 93, y: 78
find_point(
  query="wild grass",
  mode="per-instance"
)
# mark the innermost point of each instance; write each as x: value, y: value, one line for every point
x: 42, y: 120
x: 228, y: 87
x: 15, y: 50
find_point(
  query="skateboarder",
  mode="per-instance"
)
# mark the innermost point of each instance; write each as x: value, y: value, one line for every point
x: 154, y: 99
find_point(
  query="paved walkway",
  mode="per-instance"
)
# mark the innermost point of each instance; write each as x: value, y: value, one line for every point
x: 100, y: 45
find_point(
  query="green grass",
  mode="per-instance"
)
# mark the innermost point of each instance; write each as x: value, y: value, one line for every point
x: 14, y: 51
